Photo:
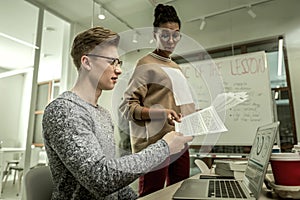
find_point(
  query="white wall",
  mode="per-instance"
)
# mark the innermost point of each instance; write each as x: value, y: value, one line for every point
x: 10, y: 105
x: 24, y: 109
x: 69, y: 74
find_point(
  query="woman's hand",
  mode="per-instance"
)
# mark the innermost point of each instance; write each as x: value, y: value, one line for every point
x: 173, y: 116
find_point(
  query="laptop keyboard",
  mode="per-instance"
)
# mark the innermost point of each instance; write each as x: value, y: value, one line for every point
x: 225, y: 189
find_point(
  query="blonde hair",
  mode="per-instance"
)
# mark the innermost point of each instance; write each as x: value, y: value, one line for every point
x: 86, y: 41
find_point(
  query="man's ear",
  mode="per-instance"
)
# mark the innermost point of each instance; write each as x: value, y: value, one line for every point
x: 86, y: 63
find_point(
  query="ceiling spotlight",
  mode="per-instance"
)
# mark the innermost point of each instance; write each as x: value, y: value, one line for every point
x: 135, y: 38
x: 251, y: 13
x: 203, y: 23
x: 101, y: 13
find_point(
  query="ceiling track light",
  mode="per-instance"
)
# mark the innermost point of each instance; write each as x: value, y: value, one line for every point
x: 251, y: 13
x: 222, y: 12
x: 101, y: 13
x: 108, y: 11
x: 202, y: 25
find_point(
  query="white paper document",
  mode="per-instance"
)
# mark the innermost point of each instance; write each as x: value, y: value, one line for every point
x: 181, y: 90
x: 201, y: 122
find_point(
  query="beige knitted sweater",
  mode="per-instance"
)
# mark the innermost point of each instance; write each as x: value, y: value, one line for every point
x: 150, y: 86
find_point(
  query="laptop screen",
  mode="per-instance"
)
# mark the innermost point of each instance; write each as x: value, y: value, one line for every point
x: 259, y: 157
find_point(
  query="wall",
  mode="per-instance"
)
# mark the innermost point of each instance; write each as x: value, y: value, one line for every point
x: 25, y: 109
x: 69, y: 74
x: 10, y: 104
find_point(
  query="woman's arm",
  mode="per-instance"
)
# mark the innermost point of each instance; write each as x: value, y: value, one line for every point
x: 148, y: 83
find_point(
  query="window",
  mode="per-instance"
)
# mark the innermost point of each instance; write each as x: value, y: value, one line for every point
x: 46, y: 91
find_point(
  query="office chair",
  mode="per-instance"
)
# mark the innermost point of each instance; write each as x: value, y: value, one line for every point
x: 38, y: 183
x: 38, y: 158
x: 202, y: 166
x: 10, y: 163
x: 17, y: 167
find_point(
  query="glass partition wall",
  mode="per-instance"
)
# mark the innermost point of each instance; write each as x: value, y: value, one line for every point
x: 50, y: 68
x: 279, y: 82
x: 17, y: 51
x: 32, y: 56
x: 28, y: 47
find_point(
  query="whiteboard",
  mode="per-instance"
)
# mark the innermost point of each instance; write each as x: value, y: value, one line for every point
x: 242, y: 73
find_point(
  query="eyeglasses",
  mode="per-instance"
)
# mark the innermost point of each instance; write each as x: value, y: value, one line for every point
x: 165, y: 35
x: 114, y: 61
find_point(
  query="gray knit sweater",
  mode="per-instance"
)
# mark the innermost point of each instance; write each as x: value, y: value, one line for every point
x: 80, y: 146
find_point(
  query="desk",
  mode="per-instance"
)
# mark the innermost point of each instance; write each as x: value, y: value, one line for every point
x: 4, y: 153
x: 167, y: 193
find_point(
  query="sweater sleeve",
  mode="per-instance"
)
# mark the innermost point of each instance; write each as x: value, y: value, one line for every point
x: 71, y: 136
x: 148, y: 85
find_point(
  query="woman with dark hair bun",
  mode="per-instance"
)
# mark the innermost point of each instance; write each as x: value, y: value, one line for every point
x: 164, y: 14
x: 155, y: 100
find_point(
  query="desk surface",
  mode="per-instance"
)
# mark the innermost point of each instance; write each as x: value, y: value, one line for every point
x: 168, y: 192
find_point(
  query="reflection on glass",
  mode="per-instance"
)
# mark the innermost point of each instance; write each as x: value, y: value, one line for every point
x: 277, y: 81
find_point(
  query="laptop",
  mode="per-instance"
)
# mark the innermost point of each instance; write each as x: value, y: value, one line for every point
x: 247, y: 188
